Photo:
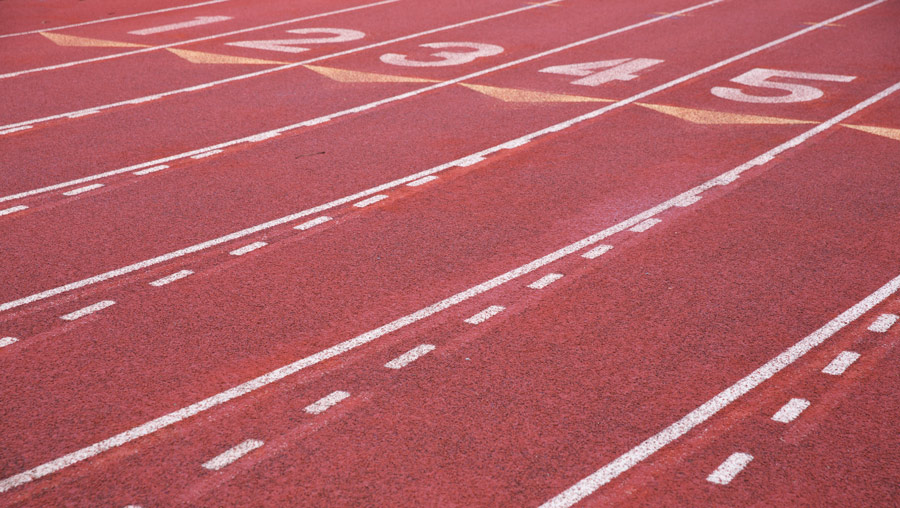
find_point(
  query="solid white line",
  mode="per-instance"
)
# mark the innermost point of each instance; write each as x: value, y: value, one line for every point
x: 644, y: 226
x: 545, y: 281
x: 153, y: 169
x: 79, y: 190
x: 168, y: 279
x: 220, y: 461
x: 791, y: 410
x: 15, y: 129
x: 883, y: 323
x: 313, y: 223
x: 366, y: 202
x: 198, y: 21
x: 730, y: 468
x: 90, y: 309
x: 422, y: 181
x: 247, y: 248
x: 840, y: 363
x: 189, y: 41
x: 205, y: 154
x: 597, y: 251
x: 486, y: 314
x: 409, y: 356
x: 5, y: 341
x: 114, y: 18
x: 13, y: 209
x: 326, y: 402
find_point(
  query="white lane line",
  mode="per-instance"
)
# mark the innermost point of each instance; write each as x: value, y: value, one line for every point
x: 422, y: 181
x: 326, y: 402
x: 239, y: 77
x: 13, y: 209
x: 90, y: 309
x: 486, y: 314
x: 189, y: 41
x: 104, y: 20
x: 5, y: 341
x: 883, y: 323
x: 86, y: 188
x: 545, y: 281
x: 248, y: 248
x: 469, y: 161
x: 644, y: 226
x: 410, y: 356
x: 15, y: 129
x: 597, y: 251
x: 688, y: 201
x: 205, y: 154
x: 152, y: 169
x: 168, y: 279
x: 730, y: 468
x: 366, y: 202
x: 840, y: 363
x: 218, y: 462
x: 312, y: 223
x: 791, y: 410
x: 83, y: 112
x: 198, y: 21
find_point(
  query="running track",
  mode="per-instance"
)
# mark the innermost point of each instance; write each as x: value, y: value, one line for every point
x: 406, y: 253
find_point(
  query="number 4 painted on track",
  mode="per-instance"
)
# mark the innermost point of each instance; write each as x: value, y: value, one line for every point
x: 623, y: 69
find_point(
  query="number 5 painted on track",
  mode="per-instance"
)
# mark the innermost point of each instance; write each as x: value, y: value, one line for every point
x: 448, y: 57
x: 624, y: 69
x: 759, y: 78
x: 292, y: 45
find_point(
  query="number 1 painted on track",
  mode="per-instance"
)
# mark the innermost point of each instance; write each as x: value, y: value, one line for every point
x: 198, y: 21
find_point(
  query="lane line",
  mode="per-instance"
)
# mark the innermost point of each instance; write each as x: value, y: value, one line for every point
x: 422, y: 181
x: 168, y: 279
x: 545, y: 281
x: 791, y: 410
x: 730, y: 468
x: 597, y: 251
x: 326, y: 402
x: 410, y: 356
x: 248, y: 248
x: 486, y: 314
x: 189, y: 41
x: 366, y: 202
x: 152, y: 169
x: 6, y: 341
x: 883, y: 323
x: 80, y: 190
x: 19, y: 128
x: 13, y: 209
x: 644, y: 226
x: 313, y: 223
x: 205, y: 154
x: 218, y: 462
x: 840, y: 363
x: 687, y: 201
x: 90, y: 309
x: 104, y: 20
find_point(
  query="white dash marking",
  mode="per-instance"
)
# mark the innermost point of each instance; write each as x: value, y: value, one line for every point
x: 410, y: 356
x: 486, y: 314
x: 326, y: 402
x: 791, y: 410
x: 597, y: 251
x: 840, y: 363
x: 205, y: 154
x: 83, y: 112
x: 153, y: 169
x: 515, y: 143
x: 262, y: 137
x: 315, y: 121
x: 545, y: 281
x: 470, y: 160
x: 312, y: 223
x: 86, y: 188
x: 198, y: 21
x: 218, y: 462
x: 422, y: 181
x: 644, y: 226
x: 5, y: 341
x: 367, y: 202
x: 883, y: 323
x: 688, y: 200
x: 90, y: 309
x: 168, y: 279
x: 730, y: 468
x: 13, y: 210
x: 15, y: 129
x: 247, y: 248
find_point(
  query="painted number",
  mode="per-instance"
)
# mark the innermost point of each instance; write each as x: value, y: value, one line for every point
x: 198, y: 21
x: 477, y: 50
x: 760, y: 78
x: 293, y: 45
x: 624, y: 69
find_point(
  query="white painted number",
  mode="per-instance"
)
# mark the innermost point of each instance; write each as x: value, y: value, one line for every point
x: 447, y: 57
x: 624, y: 69
x: 293, y: 45
x: 198, y: 21
x: 759, y: 78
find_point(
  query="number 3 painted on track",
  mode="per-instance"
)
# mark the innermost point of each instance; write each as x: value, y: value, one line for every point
x: 448, y: 57
x: 759, y: 78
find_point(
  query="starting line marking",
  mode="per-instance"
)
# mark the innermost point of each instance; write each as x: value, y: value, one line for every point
x: 79, y: 190
x: 248, y: 248
x: 410, y: 356
x: 5, y: 341
x: 597, y: 251
x: 791, y: 410
x: 366, y: 202
x: 312, y: 223
x: 644, y: 226
x: 486, y: 314
x: 171, y: 278
x: 13, y: 210
x: 840, y: 363
x: 90, y: 309
x: 730, y: 468
x: 219, y: 461
x: 883, y: 323
x: 545, y: 281
x: 326, y: 402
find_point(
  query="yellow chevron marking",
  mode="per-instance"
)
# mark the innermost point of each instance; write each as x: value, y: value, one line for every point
x: 200, y: 57
x: 516, y: 95
x: 343, y: 76
x: 706, y: 117
x: 71, y: 40
x: 878, y: 131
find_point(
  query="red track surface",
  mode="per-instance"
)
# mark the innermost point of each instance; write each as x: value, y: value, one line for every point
x: 627, y: 379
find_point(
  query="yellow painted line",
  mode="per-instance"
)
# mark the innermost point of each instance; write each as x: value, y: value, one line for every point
x: 200, y: 57
x: 878, y: 131
x: 84, y: 42
x: 344, y: 76
x: 707, y: 117
x: 517, y: 95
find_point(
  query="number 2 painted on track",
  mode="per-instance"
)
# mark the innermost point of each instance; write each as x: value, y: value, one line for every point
x: 447, y: 57
x: 623, y: 69
x: 759, y: 78
x: 293, y: 45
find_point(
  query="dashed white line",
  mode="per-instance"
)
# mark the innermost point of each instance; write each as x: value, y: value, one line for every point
x: 312, y: 223
x: 15, y: 129
x: 409, y: 356
x: 152, y: 169
x: 791, y: 410
x: 688, y: 200
x: 168, y: 279
x: 366, y: 202
x: 198, y: 21
x: 644, y: 226
x: 545, y: 281
x: 13, y: 209
x: 883, y: 323
x: 840, y: 363
x: 90, y: 309
x: 470, y: 160
x: 248, y: 248
x: 80, y: 190
x: 730, y: 468
x: 205, y: 154
x: 597, y: 251
x: 5, y: 341
x: 83, y: 112
x: 422, y: 181
x: 229, y: 456
x: 486, y: 314
x: 326, y: 402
